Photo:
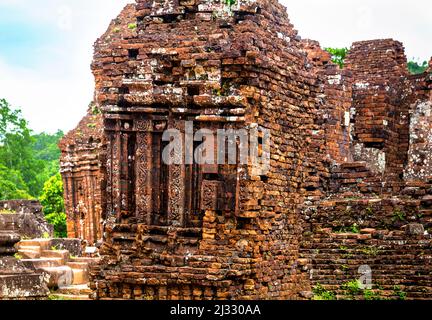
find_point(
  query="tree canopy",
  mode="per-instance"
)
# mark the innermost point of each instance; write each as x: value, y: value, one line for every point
x: 415, y: 67
x: 29, y: 166
x: 12, y: 186
x: 53, y: 203
x: 27, y: 160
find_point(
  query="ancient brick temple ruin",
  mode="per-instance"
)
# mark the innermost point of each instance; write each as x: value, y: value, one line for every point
x: 348, y: 192
x: 81, y: 161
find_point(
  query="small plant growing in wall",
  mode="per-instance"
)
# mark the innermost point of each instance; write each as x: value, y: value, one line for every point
x: 132, y: 26
x: 355, y: 228
x: 5, y: 211
x: 369, y: 211
x: 344, y: 267
x: 18, y: 256
x: 230, y: 3
x: 399, y: 216
x: 371, y: 295
x: 352, y: 289
x: 95, y: 110
x: 352, y: 229
x: 322, y: 294
x: 346, y: 252
x: 370, y: 251
x: 397, y: 291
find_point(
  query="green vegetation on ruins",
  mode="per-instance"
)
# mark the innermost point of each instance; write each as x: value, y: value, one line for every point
x: 353, y: 290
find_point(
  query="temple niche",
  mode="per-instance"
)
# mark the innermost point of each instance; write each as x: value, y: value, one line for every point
x: 81, y: 162
x: 349, y: 159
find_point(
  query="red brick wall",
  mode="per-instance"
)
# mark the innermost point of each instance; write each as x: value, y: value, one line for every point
x: 81, y: 161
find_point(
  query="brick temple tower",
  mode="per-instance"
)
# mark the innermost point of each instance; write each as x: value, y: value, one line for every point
x: 80, y: 164
x: 203, y: 231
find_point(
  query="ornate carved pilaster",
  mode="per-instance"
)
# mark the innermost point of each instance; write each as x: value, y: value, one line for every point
x: 115, y: 165
x: 210, y: 195
x: 143, y: 130
x: 109, y: 176
x: 69, y: 207
x: 176, y: 188
x: 125, y: 200
x: 90, y: 192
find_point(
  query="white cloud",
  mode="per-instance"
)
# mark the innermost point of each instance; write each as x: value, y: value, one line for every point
x: 48, y: 101
x: 55, y: 93
x: 338, y: 23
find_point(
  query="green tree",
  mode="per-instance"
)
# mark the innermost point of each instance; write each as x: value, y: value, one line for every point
x: 58, y: 220
x: 338, y: 55
x: 12, y: 186
x: 45, y: 148
x: 417, y: 67
x: 11, y: 121
x: 16, y: 152
x: 53, y: 203
x: 32, y: 157
x: 52, y: 195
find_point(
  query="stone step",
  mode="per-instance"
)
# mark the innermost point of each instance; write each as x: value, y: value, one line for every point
x: 89, y: 261
x: 44, y: 244
x: 62, y: 254
x: 75, y: 290
x: 29, y: 254
x: 30, y: 248
x: 78, y: 265
x: 59, y: 276
x: 42, y: 263
x: 69, y: 297
x: 80, y: 276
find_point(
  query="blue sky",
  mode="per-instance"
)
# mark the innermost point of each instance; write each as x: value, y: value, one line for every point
x: 17, y: 36
x: 45, y: 55
x: 46, y: 46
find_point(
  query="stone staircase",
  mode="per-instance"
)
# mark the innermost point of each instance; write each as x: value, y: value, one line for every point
x: 74, y: 292
x: 69, y: 275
